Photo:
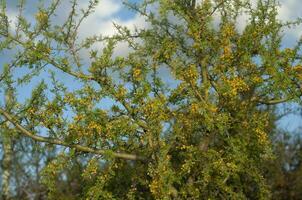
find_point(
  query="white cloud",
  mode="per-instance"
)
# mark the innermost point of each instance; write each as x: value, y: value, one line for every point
x: 106, y: 13
x: 107, y: 8
x: 291, y: 10
x: 288, y: 10
x: 12, y: 17
x: 102, y: 22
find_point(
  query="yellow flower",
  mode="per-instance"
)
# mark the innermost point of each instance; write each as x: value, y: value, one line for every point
x: 298, y: 68
x: 236, y: 84
x: 121, y: 92
x: 137, y: 74
x: 191, y: 74
x: 262, y: 136
x: 78, y: 117
x: 41, y: 17
x: 194, y: 108
x: 257, y: 79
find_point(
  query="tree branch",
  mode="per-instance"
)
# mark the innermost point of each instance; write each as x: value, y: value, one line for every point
x: 274, y: 101
x: 62, y: 143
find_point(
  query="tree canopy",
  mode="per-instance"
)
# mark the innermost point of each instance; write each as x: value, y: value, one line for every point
x: 192, y: 107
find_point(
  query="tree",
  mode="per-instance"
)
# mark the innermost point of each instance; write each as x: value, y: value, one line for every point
x: 284, y: 172
x: 206, y: 137
x: 7, y: 147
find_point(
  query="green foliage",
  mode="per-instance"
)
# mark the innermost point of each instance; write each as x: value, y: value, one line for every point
x: 284, y: 172
x: 206, y: 138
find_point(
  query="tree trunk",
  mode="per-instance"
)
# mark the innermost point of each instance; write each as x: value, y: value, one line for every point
x: 7, y: 160
x: 7, y: 149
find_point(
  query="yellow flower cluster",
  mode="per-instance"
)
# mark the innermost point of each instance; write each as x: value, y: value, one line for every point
x: 298, y: 68
x: 81, y: 131
x: 212, y: 108
x: 41, y: 17
x: 185, y: 147
x: 91, y: 169
x: 257, y: 79
x: 43, y: 48
x: 74, y: 101
x: 227, y: 54
x: 78, y: 117
x: 289, y: 51
x: 191, y: 74
x: 228, y: 30
x: 137, y: 74
x: 121, y: 92
x: 154, y: 186
x: 77, y: 130
x: 236, y: 85
x: 69, y: 98
x: 232, y: 166
x: 84, y: 102
x: 298, y: 71
x: 166, y: 51
x: 262, y: 136
x: 194, y: 108
x: 186, y: 167
x: 153, y: 109
x: 94, y: 126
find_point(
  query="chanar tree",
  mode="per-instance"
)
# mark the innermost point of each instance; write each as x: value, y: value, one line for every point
x: 191, y: 104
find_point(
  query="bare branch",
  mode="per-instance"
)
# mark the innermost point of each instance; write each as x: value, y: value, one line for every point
x: 274, y: 101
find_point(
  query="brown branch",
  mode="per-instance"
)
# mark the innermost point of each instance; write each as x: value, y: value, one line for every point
x: 62, y: 143
x: 274, y: 101
x: 216, y: 7
x: 68, y: 71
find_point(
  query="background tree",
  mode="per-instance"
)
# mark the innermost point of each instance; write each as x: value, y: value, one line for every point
x: 284, y: 172
x: 205, y: 137
x: 7, y: 145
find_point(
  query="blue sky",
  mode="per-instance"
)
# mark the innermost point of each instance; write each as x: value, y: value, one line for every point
x: 109, y: 11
